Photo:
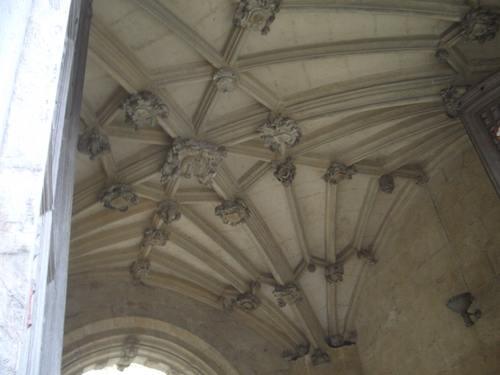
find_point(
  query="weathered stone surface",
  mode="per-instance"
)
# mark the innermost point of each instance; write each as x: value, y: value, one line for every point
x: 451, y: 99
x: 256, y: 14
x: 337, y: 341
x: 155, y: 237
x: 130, y: 348
x: 480, y: 25
x: 142, y: 109
x: 93, y: 143
x: 285, y: 171
x: 334, y: 272
x: 188, y: 159
x: 287, y: 294
x: 280, y: 131
x: 117, y: 191
x: 226, y: 79
x: 233, y: 212
x: 386, y: 183
x: 169, y: 211
x: 338, y: 172
x: 319, y: 358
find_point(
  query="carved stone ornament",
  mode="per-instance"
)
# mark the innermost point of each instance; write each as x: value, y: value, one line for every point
x: 451, y: 99
x: 247, y: 302
x: 337, y: 341
x: 93, y: 143
x: 319, y: 357
x: 227, y: 303
x: 226, y: 79
x: 480, y: 25
x: 367, y: 256
x: 299, y: 352
x: 130, y: 348
x: 169, y: 211
x: 386, y: 183
x: 155, y: 237
x: 422, y: 180
x: 281, y: 130
x: 285, y: 172
x: 256, y: 14
x: 143, y: 108
x: 287, y: 294
x: 117, y: 192
x: 338, y: 172
x: 311, y: 267
x: 140, y: 269
x: 334, y: 272
x: 233, y: 212
x: 442, y: 55
x: 188, y: 159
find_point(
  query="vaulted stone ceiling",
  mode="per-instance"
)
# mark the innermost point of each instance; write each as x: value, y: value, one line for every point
x: 361, y: 82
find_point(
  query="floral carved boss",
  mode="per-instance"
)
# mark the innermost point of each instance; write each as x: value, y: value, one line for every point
x: 233, y: 212
x: 256, y: 14
x: 280, y: 131
x: 188, y: 159
x: 143, y: 108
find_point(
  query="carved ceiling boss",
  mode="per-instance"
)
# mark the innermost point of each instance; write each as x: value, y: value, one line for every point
x: 118, y: 192
x: 188, y: 159
x: 386, y: 183
x: 155, y: 237
x: 226, y: 79
x: 338, y: 172
x: 300, y: 351
x: 93, y: 143
x: 451, y: 99
x: 143, y: 108
x: 480, y: 25
x: 256, y: 14
x: 130, y: 348
x: 169, y: 211
x: 334, y: 272
x: 281, y: 130
x: 285, y: 171
x: 287, y: 294
x: 233, y: 212
x: 140, y: 269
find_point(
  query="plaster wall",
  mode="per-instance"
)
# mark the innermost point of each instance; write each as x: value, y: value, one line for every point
x: 433, y: 253
x: 32, y: 35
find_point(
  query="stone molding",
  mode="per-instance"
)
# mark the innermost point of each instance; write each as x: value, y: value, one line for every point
x: 140, y: 269
x: 94, y: 143
x: 299, y: 352
x: 320, y: 357
x: 233, y: 212
x: 285, y: 171
x: 337, y: 341
x: 479, y: 25
x: 451, y: 99
x: 189, y: 158
x: 338, y: 172
x: 367, y: 256
x: 386, y: 183
x: 422, y: 180
x: 334, y: 272
x: 143, y: 108
x: 169, y: 211
x: 227, y: 303
x: 226, y: 79
x: 118, y: 191
x: 130, y: 348
x: 155, y: 237
x: 280, y: 131
x: 256, y: 14
x: 288, y: 294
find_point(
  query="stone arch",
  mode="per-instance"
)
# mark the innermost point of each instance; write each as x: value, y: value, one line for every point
x: 162, y: 346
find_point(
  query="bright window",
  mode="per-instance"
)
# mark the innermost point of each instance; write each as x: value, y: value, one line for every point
x: 133, y: 369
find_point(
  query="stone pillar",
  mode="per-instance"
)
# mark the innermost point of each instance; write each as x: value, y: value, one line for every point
x: 33, y: 35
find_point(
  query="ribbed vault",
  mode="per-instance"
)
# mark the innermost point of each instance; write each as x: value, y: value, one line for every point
x: 361, y: 81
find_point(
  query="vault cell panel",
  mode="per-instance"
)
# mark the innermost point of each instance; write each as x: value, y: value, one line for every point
x: 188, y: 96
x: 98, y: 86
x: 314, y: 286
x: 268, y: 195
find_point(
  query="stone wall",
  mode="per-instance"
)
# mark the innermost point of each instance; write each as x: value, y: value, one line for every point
x: 434, y: 252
